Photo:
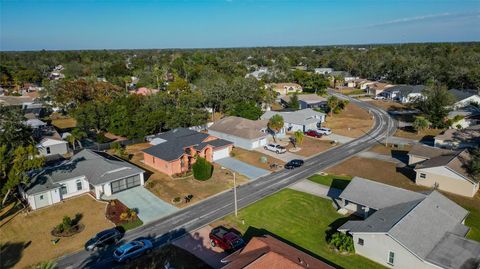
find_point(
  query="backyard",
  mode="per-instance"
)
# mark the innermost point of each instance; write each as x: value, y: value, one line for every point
x: 62, y: 122
x: 170, y: 189
x: 353, y: 121
x: 300, y: 219
x: 26, y: 238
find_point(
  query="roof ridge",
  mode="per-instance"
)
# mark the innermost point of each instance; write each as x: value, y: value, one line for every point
x: 408, y: 212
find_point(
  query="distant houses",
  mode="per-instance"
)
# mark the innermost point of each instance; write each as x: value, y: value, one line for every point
x: 404, y: 93
x: 406, y: 229
x: 458, y: 139
x: 464, y: 97
x: 285, y: 88
x: 313, y: 101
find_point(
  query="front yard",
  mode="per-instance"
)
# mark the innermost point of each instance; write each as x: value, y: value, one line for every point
x: 353, y: 121
x: 26, y: 240
x: 173, y: 190
x: 412, y: 134
x: 255, y: 158
x: 312, y: 146
x: 301, y: 219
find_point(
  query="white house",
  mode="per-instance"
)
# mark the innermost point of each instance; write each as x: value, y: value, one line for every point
x: 323, y: 70
x: 285, y: 88
x: 244, y: 133
x: 303, y: 120
x: 258, y: 74
x: 405, y: 229
x: 404, y: 93
x: 87, y: 171
x: 466, y: 117
x: 306, y: 101
x: 464, y: 98
x: 52, y: 146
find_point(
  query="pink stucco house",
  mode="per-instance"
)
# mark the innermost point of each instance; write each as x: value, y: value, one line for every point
x: 174, y: 152
x: 144, y: 91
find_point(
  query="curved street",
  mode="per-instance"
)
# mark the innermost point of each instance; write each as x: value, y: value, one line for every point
x: 216, y: 207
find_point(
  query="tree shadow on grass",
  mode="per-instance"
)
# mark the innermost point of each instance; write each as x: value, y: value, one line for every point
x: 256, y: 232
x: 11, y: 253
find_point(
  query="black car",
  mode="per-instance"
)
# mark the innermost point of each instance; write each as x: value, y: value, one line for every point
x: 293, y: 164
x: 103, y: 239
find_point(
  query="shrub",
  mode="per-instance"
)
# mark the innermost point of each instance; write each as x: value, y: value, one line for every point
x: 342, y: 242
x: 202, y: 169
x: 67, y: 223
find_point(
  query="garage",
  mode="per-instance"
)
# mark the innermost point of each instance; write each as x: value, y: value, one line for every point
x: 125, y: 183
x: 221, y: 153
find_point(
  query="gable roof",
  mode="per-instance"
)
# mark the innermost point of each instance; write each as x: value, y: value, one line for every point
x: 454, y: 252
x: 240, y: 127
x: 406, y: 89
x: 377, y: 195
x: 456, y: 161
x: 428, y: 152
x: 300, y: 117
x: 469, y: 134
x: 98, y: 167
x: 269, y: 252
x: 463, y: 94
x: 176, y: 140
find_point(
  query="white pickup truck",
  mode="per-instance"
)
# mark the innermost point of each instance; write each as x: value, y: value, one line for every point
x: 324, y: 131
x: 275, y: 148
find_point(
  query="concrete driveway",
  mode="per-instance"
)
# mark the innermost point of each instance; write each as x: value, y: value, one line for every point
x: 198, y: 243
x: 149, y: 206
x: 245, y: 169
x: 287, y: 156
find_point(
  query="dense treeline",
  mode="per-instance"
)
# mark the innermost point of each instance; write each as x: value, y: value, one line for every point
x: 454, y: 65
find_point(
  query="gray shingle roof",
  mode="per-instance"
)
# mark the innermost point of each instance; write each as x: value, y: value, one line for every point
x: 300, y: 117
x: 421, y: 150
x: 98, y: 168
x: 460, y: 95
x: 454, y: 252
x: 177, y: 140
x: 406, y: 89
x: 377, y: 195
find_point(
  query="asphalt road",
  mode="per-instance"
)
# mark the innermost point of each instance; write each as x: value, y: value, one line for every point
x: 221, y: 205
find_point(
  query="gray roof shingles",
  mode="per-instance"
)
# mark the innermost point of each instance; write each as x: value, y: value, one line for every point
x: 98, y: 167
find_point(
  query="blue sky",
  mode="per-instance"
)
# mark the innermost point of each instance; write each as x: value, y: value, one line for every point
x: 90, y: 24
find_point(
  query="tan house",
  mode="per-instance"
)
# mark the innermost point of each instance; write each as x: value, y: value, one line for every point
x: 285, y: 88
x: 420, y: 153
x: 448, y: 172
x: 377, y: 88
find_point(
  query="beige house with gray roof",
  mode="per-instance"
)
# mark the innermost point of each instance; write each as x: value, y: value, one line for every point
x: 409, y: 229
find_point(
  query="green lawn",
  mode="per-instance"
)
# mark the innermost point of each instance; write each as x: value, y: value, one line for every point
x: 473, y: 221
x: 300, y: 219
x: 132, y: 224
x: 334, y: 181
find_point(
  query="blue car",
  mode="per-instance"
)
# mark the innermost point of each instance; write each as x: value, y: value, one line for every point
x: 127, y: 252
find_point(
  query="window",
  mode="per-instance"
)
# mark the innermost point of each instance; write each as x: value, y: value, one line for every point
x: 360, y: 241
x: 41, y: 197
x: 63, y: 190
x: 48, y: 150
x: 391, y: 257
x: 422, y: 175
x: 79, y: 185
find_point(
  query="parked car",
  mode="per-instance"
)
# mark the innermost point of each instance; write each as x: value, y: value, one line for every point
x: 313, y: 133
x: 294, y: 164
x: 127, y: 252
x: 275, y: 148
x: 324, y: 131
x: 103, y: 239
x: 227, y: 239
x: 379, y: 97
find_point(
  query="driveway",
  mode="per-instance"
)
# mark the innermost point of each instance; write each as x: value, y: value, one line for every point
x: 245, y: 169
x: 198, y: 243
x: 339, y: 138
x: 287, y: 156
x: 149, y: 206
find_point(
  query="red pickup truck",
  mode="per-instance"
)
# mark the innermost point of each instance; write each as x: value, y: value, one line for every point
x: 227, y: 239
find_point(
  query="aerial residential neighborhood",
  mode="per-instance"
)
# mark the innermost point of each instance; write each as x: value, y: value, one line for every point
x: 239, y: 134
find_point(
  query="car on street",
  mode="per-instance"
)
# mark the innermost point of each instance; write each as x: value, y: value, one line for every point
x: 314, y: 133
x: 103, y: 239
x: 324, y: 131
x: 379, y: 97
x: 127, y: 252
x: 294, y: 164
x: 227, y: 239
x: 275, y: 148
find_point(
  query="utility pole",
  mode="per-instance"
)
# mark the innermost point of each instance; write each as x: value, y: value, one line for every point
x: 386, y: 134
x: 235, y: 194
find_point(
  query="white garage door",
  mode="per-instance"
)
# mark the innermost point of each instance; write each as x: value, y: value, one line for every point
x: 221, y: 153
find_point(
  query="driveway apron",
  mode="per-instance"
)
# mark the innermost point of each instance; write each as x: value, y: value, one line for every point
x: 245, y: 169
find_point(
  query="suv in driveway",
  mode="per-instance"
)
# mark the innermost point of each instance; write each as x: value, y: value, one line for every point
x: 324, y: 131
x: 103, y: 239
x: 275, y: 148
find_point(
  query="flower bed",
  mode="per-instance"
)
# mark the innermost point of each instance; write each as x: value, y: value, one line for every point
x: 121, y: 215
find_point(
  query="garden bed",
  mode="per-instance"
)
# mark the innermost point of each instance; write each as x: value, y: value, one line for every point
x: 121, y: 215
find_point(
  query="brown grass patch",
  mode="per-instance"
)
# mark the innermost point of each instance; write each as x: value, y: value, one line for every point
x: 64, y: 123
x: 26, y: 238
x: 353, y: 121
x: 253, y: 158
x: 387, y: 150
x: 387, y: 105
x: 312, y: 146
x: 417, y: 136
x: 168, y: 188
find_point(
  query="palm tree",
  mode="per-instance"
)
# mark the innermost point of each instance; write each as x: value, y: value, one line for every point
x: 275, y: 124
x: 76, y: 136
x: 298, y: 137
x: 332, y: 103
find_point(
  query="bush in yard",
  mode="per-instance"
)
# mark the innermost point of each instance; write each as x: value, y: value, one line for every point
x: 342, y: 242
x: 202, y: 169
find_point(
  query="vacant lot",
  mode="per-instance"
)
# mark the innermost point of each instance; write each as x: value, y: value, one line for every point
x: 300, y: 219
x: 254, y: 158
x: 388, y: 173
x: 168, y: 188
x: 412, y: 134
x: 64, y: 123
x: 312, y: 146
x: 352, y: 122
x: 26, y: 240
